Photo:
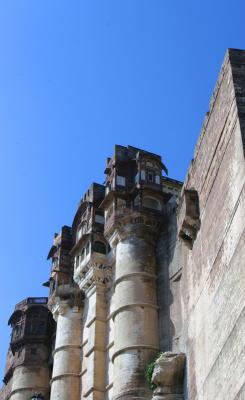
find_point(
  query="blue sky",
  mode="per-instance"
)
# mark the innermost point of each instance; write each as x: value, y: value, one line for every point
x: 78, y: 76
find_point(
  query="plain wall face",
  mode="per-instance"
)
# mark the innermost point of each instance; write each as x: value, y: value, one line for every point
x: 213, y: 277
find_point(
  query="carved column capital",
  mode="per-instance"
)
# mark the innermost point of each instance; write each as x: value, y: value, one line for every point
x: 59, y: 308
x: 62, y: 307
x: 95, y: 275
x: 168, y: 376
x: 142, y: 227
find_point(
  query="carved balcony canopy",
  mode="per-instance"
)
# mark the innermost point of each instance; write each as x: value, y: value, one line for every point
x: 136, y: 190
x: 31, y: 321
x: 61, y: 268
x: 88, y: 218
x: 131, y: 167
x: 63, y: 239
x: 90, y: 257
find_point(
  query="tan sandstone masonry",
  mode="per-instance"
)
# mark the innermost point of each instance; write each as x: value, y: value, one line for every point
x: 213, y: 278
x: 134, y: 312
x: 93, y: 339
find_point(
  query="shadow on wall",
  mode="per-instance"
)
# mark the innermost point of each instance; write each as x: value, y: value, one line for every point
x: 165, y: 256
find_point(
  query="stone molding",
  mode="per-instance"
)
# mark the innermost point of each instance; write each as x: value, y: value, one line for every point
x: 28, y: 388
x: 130, y: 274
x: 66, y: 375
x: 132, y: 305
x: 133, y: 347
x: 65, y: 347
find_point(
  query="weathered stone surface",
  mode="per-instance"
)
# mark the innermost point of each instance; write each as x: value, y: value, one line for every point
x: 188, y: 218
x: 213, y: 276
x: 168, y: 376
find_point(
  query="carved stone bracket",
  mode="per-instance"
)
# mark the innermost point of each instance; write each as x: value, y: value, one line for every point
x: 189, y: 217
x: 65, y: 298
x: 168, y: 376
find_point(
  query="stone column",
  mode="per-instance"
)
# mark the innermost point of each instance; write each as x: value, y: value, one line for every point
x: 135, y: 310
x: 67, y: 354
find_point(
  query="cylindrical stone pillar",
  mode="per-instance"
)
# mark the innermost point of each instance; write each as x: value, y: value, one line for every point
x: 67, y: 355
x: 30, y: 379
x: 135, y: 312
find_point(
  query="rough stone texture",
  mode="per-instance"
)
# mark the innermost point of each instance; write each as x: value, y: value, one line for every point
x: 213, y: 277
x: 168, y: 376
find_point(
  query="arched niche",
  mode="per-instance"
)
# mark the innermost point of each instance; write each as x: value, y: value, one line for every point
x: 152, y: 203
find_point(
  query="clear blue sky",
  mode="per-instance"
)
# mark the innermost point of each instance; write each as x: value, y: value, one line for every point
x: 78, y: 76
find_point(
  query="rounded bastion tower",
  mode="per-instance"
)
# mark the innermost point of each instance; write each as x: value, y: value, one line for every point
x: 65, y: 302
x: 134, y: 210
x: 32, y: 328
